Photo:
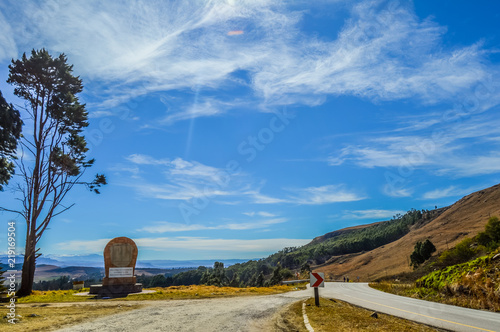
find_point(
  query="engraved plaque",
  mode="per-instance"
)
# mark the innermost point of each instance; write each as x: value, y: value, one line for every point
x: 121, y: 254
x: 121, y: 272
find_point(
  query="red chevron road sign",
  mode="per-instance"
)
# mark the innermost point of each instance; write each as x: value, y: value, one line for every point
x: 317, y: 279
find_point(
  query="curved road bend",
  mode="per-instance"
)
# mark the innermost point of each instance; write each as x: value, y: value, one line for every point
x: 435, y: 314
x: 254, y: 313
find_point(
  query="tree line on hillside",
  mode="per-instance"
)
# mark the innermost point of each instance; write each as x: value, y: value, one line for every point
x: 281, y: 264
x: 220, y: 276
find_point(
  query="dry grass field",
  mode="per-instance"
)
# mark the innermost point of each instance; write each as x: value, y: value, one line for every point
x: 161, y: 293
x: 47, y: 317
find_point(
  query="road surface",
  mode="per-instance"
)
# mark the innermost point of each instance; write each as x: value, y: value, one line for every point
x: 255, y: 313
x: 435, y: 314
x: 246, y: 313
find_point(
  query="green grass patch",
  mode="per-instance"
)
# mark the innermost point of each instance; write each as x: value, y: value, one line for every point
x: 475, y: 284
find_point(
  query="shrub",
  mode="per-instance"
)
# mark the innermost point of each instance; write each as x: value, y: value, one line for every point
x: 492, y: 228
x: 422, y: 252
x: 462, y: 252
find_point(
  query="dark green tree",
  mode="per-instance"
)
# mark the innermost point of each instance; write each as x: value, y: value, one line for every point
x: 10, y: 132
x: 276, y: 277
x: 205, y: 277
x: 235, y: 282
x: 215, y: 277
x: 259, y: 282
x: 158, y: 280
x: 57, y: 148
x: 427, y: 249
x: 305, y: 268
x: 422, y: 252
x: 492, y: 228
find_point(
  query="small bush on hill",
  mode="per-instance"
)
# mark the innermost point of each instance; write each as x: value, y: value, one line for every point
x: 490, y: 238
x: 462, y: 252
x: 422, y: 252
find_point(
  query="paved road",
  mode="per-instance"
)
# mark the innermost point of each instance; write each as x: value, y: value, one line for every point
x: 254, y: 313
x: 439, y: 315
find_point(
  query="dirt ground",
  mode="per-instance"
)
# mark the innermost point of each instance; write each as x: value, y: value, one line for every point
x: 226, y: 314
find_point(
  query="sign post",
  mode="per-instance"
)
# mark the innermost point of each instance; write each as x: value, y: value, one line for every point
x: 317, y: 279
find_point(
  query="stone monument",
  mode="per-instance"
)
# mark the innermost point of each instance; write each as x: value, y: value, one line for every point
x: 120, y: 256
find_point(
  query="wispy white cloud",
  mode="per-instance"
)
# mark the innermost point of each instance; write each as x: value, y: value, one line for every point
x: 133, y: 170
x: 165, y: 226
x: 260, y: 213
x: 450, y: 191
x: 188, y: 243
x: 324, y: 195
x: 473, y: 165
x: 382, y: 52
x: 190, y: 179
x: 101, y: 113
x: 371, y: 214
x: 447, y: 150
x: 8, y: 47
x: 397, y: 191
x: 185, y: 180
x: 310, y: 196
x: 206, y: 107
x: 84, y: 246
x: 260, y: 198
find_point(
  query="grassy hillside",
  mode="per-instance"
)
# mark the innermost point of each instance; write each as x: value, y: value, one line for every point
x: 467, y: 274
x: 477, y: 281
x: 466, y: 218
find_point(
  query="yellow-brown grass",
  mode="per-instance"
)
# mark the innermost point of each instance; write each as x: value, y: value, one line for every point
x: 341, y: 316
x: 161, y: 293
x: 47, y: 317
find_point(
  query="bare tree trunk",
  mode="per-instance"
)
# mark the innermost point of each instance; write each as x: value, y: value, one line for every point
x: 29, y: 265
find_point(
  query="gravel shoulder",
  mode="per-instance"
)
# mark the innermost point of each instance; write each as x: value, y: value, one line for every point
x: 253, y: 313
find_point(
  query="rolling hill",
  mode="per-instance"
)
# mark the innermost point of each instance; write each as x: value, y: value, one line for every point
x: 371, y: 251
x: 466, y: 217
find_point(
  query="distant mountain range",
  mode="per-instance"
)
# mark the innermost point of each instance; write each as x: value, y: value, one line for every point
x: 95, y: 260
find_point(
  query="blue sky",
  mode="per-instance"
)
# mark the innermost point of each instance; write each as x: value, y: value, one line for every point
x: 231, y: 129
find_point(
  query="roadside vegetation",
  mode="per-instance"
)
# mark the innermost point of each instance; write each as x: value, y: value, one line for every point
x: 335, y: 315
x: 160, y: 293
x: 467, y: 275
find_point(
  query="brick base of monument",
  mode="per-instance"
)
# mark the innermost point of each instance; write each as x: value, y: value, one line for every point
x: 115, y: 290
